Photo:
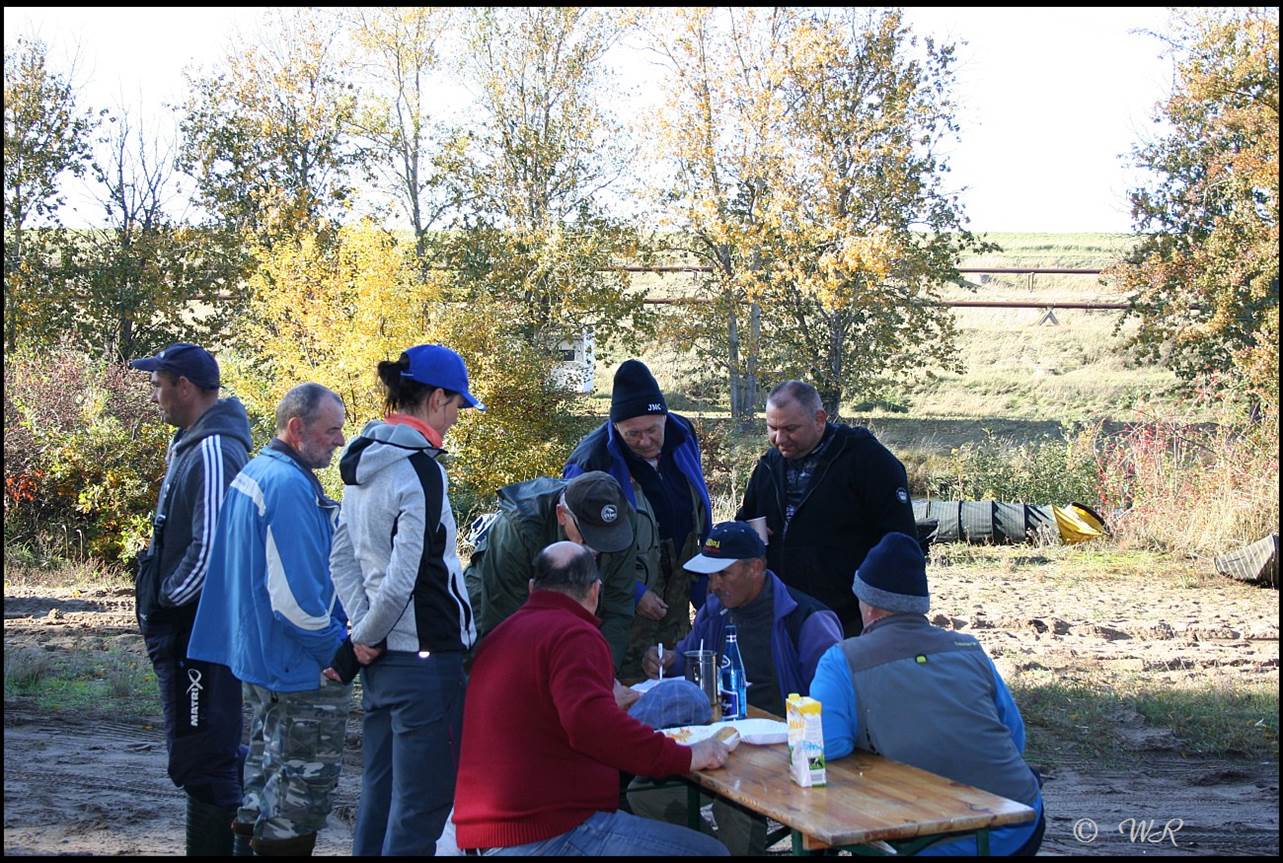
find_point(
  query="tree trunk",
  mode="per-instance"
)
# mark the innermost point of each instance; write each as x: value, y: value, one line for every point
x: 831, y: 389
x: 750, y: 381
x: 733, y: 363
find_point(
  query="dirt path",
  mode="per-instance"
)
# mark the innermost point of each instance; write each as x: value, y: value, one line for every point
x: 88, y: 784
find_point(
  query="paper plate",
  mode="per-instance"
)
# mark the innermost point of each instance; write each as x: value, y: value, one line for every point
x: 759, y: 732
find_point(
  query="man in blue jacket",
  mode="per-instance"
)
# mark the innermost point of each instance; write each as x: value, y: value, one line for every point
x: 655, y: 456
x: 269, y: 612
x: 925, y: 696
x: 782, y: 634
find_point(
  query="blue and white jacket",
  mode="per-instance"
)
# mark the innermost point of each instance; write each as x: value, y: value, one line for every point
x: 269, y: 611
x: 394, y: 560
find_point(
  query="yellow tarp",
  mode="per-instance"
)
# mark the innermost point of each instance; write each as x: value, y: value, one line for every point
x: 1077, y: 523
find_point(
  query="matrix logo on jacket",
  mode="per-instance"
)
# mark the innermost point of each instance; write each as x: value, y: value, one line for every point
x: 194, y: 688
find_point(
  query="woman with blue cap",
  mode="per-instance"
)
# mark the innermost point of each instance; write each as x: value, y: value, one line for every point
x: 399, y: 579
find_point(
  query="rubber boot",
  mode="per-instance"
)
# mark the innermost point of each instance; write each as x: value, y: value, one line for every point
x: 241, y: 835
x: 298, y: 846
x: 209, y: 832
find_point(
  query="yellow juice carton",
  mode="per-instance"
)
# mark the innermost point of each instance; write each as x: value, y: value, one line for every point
x: 806, y: 741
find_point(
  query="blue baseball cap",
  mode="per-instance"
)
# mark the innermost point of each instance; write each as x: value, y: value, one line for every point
x: 438, y: 366
x: 727, y: 542
x: 183, y: 360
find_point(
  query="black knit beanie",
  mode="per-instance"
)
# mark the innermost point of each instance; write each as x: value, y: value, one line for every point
x: 635, y: 393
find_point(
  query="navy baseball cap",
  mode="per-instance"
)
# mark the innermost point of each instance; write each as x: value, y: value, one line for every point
x: 183, y: 360
x: 439, y: 366
x: 727, y: 542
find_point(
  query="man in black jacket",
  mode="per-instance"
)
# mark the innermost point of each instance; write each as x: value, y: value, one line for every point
x: 829, y: 493
x: 201, y: 700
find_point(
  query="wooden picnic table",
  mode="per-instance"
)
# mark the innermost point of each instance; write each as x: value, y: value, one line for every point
x: 868, y: 800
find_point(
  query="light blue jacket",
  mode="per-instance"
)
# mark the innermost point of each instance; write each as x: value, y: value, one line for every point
x: 936, y: 702
x: 269, y: 611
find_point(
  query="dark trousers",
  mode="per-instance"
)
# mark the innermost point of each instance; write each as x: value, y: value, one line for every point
x: 413, y: 721
x: 202, y: 707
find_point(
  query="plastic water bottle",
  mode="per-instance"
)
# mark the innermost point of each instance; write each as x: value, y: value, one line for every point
x: 733, y: 686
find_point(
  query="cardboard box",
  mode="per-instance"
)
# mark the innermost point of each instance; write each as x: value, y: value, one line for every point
x: 806, y: 741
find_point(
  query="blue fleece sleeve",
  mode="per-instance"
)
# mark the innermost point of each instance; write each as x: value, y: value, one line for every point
x: 298, y: 573
x: 571, y: 470
x: 835, y: 691
x: 1008, y: 712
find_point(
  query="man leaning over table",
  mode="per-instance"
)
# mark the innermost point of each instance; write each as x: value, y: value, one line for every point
x: 544, y: 739
x: 941, y: 705
x: 782, y: 634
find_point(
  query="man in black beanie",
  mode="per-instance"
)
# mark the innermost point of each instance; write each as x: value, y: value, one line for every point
x: 655, y: 456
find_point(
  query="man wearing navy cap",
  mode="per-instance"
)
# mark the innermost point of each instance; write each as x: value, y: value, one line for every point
x: 201, y: 700
x: 782, y: 634
x: 941, y: 704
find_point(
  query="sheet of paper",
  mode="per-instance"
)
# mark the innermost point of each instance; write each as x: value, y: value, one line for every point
x: 648, y: 685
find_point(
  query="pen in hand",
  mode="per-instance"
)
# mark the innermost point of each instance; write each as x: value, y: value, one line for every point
x: 661, y: 660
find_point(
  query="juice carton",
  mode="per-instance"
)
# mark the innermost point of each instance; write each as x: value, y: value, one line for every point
x: 806, y: 741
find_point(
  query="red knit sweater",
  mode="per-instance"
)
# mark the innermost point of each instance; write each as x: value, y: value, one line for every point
x: 543, y: 740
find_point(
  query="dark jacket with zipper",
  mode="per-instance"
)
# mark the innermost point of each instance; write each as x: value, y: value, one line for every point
x: 858, y: 493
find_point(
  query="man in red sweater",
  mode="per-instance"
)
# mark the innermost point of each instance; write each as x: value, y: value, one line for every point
x: 544, y: 740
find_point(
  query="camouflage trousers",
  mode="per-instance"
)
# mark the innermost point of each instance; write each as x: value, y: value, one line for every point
x: 295, y: 749
x: 675, y: 590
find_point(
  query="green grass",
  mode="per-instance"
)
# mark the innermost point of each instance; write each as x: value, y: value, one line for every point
x: 112, y: 684
x: 1070, y: 717
x: 1013, y: 368
x: 22, y: 568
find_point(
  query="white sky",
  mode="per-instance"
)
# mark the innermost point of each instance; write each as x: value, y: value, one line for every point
x: 1052, y: 99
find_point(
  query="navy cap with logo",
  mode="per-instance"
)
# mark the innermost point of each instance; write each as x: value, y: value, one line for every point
x: 438, y: 366
x: 183, y: 360
x: 727, y: 542
x: 600, y: 509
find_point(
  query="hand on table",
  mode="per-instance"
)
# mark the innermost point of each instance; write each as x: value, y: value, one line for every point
x: 651, y: 606
x: 624, y: 696
x: 708, y: 754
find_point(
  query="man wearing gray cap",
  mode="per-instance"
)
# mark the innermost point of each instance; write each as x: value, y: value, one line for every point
x: 201, y: 700
x: 940, y: 703
x: 590, y: 510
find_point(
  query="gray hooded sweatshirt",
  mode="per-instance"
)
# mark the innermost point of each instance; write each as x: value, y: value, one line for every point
x: 394, y: 562
x: 202, y: 462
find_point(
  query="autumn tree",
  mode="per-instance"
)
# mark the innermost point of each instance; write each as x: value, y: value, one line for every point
x: 267, y: 136
x: 145, y: 280
x: 533, y: 233
x: 400, y: 49
x: 330, y: 311
x: 46, y: 137
x: 1204, y: 280
x: 721, y: 134
x: 810, y: 174
x: 862, y: 232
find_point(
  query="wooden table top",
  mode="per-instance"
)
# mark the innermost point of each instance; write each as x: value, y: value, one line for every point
x: 867, y: 798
